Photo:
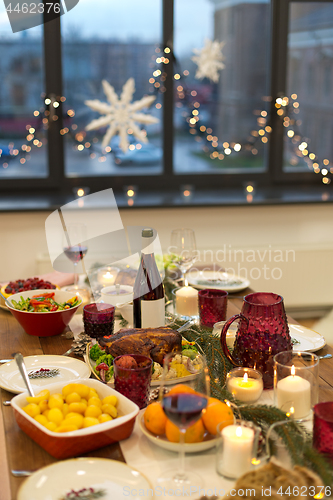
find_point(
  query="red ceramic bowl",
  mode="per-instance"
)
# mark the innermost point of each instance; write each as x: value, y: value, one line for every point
x: 43, y: 324
x: 75, y: 443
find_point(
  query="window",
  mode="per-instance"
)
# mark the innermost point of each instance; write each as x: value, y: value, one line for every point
x: 265, y: 120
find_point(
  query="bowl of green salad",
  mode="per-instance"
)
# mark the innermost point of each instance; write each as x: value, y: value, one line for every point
x: 44, y: 313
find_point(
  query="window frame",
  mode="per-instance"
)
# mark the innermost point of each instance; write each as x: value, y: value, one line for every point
x: 168, y: 180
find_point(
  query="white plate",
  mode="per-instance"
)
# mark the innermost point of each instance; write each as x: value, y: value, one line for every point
x: 154, y: 383
x: 69, y: 369
x: 162, y: 441
x: 310, y: 341
x: 53, y: 482
x: 218, y: 280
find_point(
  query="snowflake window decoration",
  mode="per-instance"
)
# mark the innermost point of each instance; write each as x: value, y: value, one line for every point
x: 209, y: 60
x: 121, y: 114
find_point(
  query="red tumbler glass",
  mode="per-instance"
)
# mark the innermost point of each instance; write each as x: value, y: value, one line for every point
x: 134, y: 383
x: 212, y: 306
x: 323, y: 428
x: 98, y: 320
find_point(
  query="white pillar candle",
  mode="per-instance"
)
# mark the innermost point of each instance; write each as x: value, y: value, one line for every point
x: 294, y: 392
x: 187, y: 301
x: 244, y: 388
x: 237, y: 450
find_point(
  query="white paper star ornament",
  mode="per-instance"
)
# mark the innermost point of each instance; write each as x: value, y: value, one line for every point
x: 121, y: 114
x: 209, y: 60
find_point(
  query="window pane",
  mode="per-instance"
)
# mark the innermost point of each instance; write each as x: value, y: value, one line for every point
x: 308, y: 138
x: 231, y: 112
x: 23, y: 144
x: 113, y: 42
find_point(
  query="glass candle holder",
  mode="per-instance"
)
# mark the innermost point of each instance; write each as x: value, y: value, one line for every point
x: 323, y: 428
x: 132, y: 377
x: 185, y: 302
x: 296, y: 382
x: 231, y: 333
x: 107, y: 275
x: 236, y: 448
x: 212, y: 306
x: 98, y: 320
x: 245, y: 384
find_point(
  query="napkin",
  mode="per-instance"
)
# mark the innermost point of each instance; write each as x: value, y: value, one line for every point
x: 60, y: 279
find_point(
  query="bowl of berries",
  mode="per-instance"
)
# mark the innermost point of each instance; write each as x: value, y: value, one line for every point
x: 44, y: 313
x: 23, y: 286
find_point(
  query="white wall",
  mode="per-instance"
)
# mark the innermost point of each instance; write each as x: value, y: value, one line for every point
x: 304, y: 233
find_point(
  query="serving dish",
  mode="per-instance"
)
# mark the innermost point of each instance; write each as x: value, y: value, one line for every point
x: 154, y: 383
x: 113, y: 477
x: 216, y: 279
x: 161, y: 441
x: 44, y: 324
x: 74, y: 443
x: 70, y: 369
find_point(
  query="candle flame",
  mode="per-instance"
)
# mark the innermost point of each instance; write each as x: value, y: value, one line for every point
x: 108, y: 275
x: 245, y: 378
x: 239, y: 431
x: 293, y: 371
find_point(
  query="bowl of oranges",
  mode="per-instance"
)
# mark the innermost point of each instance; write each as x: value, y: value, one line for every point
x: 68, y: 420
x: 200, y: 436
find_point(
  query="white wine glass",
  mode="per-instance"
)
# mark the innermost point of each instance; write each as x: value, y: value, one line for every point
x: 184, y: 250
x: 75, y: 248
x: 184, y: 405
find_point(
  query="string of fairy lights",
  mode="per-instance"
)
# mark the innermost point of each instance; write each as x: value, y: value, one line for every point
x: 216, y: 149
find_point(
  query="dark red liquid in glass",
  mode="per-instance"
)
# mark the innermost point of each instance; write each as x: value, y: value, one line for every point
x: 76, y: 252
x: 184, y: 409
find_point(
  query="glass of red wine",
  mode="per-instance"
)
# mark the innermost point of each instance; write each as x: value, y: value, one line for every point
x: 183, y: 404
x: 75, y: 248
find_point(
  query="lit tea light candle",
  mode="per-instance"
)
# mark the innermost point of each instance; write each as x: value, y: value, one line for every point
x: 247, y: 389
x: 187, y: 301
x: 237, y: 451
x: 107, y: 275
x: 294, y: 391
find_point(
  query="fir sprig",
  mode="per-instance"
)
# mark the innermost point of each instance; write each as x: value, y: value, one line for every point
x: 293, y: 435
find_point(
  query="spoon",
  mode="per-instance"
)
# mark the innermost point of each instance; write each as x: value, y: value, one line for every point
x: 8, y: 304
x: 23, y: 371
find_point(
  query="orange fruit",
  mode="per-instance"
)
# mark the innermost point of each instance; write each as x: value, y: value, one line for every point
x: 216, y: 412
x: 155, y: 419
x: 180, y: 388
x: 194, y: 433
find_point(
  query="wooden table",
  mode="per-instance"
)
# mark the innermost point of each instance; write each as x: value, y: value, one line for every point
x: 19, y: 451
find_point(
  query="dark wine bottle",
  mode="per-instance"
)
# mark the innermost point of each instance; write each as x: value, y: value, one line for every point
x: 148, y: 302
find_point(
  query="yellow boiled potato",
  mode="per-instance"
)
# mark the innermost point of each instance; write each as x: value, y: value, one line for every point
x: 44, y: 394
x: 43, y: 405
x: 51, y: 426
x: 92, y: 393
x: 65, y: 409
x: 110, y: 400
x: 55, y: 415
x: 68, y: 389
x: 41, y: 419
x: 46, y: 413
x: 89, y: 421
x: 56, y: 401
x: 82, y: 390
x: 73, y: 397
x: 75, y: 419
x: 95, y: 401
x: 105, y: 417
x: 93, y: 411
x: 32, y: 409
x: 77, y: 407
x: 110, y: 409
x: 84, y: 401
x: 66, y: 427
